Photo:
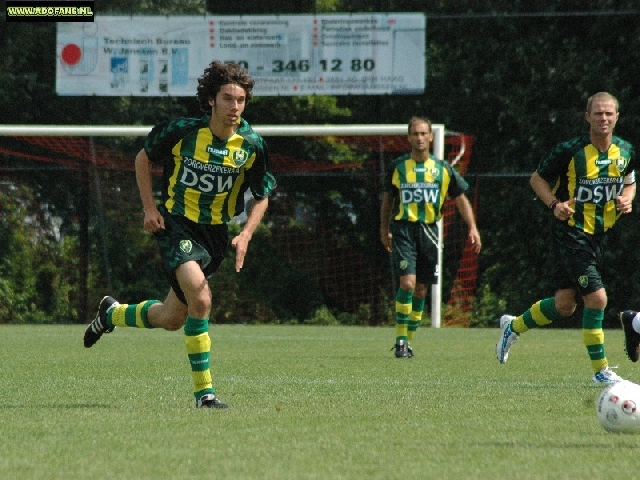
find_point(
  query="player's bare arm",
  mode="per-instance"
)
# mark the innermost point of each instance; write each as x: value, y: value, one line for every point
x: 153, y: 221
x: 466, y: 211
x: 241, y: 241
x: 561, y: 210
x: 624, y: 202
x: 385, y: 218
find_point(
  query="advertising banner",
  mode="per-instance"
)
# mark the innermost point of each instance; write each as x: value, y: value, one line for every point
x: 333, y: 54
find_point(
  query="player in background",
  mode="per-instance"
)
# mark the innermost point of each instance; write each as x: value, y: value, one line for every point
x: 586, y: 183
x: 208, y: 163
x: 415, y: 189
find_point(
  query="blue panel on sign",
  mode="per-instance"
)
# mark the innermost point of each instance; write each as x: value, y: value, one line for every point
x: 179, y: 66
x: 120, y: 64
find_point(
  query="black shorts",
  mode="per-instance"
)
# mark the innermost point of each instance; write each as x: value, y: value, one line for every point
x: 581, y: 254
x: 182, y: 241
x: 415, y: 250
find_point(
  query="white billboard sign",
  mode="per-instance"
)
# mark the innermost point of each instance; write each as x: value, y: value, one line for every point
x: 333, y: 54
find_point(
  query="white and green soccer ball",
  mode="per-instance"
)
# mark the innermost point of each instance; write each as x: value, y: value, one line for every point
x: 618, y: 407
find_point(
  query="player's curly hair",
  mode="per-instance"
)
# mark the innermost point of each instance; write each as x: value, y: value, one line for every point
x: 215, y: 76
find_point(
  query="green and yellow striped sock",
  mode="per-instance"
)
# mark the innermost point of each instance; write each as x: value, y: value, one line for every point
x: 199, y: 351
x: 541, y: 313
x: 415, y: 317
x: 136, y: 315
x: 403, y: 308
x: 594, y: 337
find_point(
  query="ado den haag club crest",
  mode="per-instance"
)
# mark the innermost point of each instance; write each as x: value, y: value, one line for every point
x: 186, y: 246
x: 239, y: 157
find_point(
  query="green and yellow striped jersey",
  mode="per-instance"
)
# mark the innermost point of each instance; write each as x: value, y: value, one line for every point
x: 422, y: 188
x: 577, y: 169
x: 205, y: 178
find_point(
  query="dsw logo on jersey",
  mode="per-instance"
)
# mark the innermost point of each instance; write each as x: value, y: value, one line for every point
x: 420, y: 193
x: 599, y: 190
x: 207, y: 177
x: 206, y: 182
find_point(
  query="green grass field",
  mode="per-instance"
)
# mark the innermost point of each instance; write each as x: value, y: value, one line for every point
x: 306, y: 403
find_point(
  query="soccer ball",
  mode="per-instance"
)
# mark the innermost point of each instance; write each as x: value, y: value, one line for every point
x: 618, y: 407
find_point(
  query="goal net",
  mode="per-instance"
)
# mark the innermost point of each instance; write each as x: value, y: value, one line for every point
x: 322, y: 222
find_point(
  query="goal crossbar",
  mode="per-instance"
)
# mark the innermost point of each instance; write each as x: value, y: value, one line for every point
x: 264, y: 130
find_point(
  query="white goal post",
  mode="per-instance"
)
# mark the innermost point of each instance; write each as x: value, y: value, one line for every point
x: 266, y: 131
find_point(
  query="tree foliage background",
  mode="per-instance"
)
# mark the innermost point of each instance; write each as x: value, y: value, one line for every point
x: 514, y: 74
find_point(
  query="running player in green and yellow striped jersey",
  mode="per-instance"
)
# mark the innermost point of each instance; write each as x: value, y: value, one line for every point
x: 208, y: 165
x: 578, y: 170
x: 416, y: 187
x: 205, y: 177
x: 587, y: 183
